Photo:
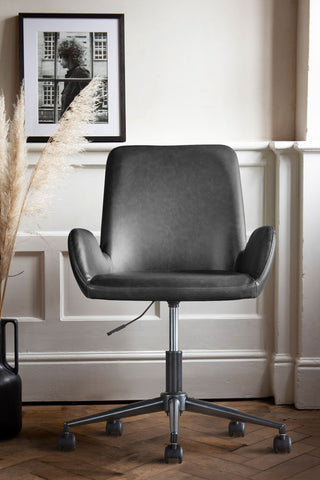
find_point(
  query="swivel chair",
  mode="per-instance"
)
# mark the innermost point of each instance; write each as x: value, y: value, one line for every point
x: 173, y: 230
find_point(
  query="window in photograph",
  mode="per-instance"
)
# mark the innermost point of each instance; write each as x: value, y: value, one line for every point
x: 48, y: 94
x: 100, y: 46
x: 49, y: 45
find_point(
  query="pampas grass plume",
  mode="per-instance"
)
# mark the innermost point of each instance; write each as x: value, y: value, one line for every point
x: 22, y: 196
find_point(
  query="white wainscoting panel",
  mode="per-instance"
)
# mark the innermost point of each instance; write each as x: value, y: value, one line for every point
x: 234, y: 349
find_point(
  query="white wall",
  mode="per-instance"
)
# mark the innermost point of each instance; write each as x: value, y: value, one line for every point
x: 196, y: 71
x: 313, y: 92
x: 205, y: 71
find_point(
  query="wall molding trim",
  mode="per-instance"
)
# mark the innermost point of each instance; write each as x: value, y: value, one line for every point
x: 138, y: 356
x: 308, y: 362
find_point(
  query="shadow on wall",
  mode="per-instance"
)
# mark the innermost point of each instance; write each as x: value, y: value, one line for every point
x: 9, y: 60
x: 284, y: 66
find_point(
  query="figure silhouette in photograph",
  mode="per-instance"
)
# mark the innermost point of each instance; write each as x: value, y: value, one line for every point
x: 71, y: 56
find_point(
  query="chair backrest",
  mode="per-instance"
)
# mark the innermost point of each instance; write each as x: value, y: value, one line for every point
x: 173, y: 208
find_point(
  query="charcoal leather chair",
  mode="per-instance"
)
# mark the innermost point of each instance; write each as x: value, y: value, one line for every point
x: 173, y: 230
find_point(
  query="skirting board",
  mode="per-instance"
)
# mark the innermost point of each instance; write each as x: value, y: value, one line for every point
x: 307, y: 385
x: 99, y: 378
x: 283, y: 379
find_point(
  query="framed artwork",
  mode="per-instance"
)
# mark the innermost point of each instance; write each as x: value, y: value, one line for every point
x: 59, y: 55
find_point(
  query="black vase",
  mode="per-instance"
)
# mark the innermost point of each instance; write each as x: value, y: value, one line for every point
x: 10, y: 387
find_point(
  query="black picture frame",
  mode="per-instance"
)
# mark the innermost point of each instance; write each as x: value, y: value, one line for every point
x: 100, y: 40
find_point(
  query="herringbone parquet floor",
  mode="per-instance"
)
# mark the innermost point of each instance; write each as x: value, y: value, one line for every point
x: 209, y: 453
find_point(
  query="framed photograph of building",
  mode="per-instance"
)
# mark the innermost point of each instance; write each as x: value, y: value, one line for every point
x: 59, y: 55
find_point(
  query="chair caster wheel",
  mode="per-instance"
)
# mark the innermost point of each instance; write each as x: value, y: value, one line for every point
x: 237, y: 429
x: 114, y: 427
x: 282, y: 444
x: 173, y: 452
x: 67, y: 441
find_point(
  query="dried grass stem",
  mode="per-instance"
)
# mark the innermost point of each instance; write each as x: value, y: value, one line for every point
x: 19, y: 196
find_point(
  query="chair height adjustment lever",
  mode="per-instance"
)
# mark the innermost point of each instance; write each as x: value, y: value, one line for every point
x: 124, y: 325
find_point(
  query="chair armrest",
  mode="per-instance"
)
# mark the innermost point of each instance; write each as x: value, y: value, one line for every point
x: 86, y: 257
x: 256, y: 259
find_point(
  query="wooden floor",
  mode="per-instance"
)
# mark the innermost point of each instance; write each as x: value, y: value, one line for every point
x: 209, y: 453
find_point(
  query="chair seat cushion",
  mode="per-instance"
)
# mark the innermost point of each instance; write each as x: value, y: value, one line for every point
x: 172, y: 286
